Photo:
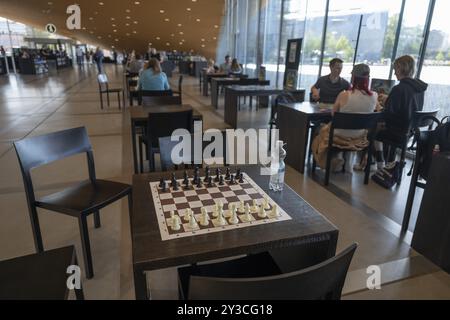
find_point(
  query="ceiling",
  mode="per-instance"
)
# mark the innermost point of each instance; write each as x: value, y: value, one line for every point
x: 181, y: 25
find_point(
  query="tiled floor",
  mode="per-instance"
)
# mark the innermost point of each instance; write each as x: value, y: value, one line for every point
x: 36, y: 105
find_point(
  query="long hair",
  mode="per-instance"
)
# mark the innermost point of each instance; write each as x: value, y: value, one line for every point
x: 235, y: 65
x: 154, y: 65
x: 362, y: 84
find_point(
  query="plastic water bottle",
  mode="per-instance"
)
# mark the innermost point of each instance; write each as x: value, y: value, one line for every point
x: 277, y: 168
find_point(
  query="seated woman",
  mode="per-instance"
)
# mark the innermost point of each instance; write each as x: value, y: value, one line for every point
x: 359, y: 99
x: 235, y: 68
x: 152, y: 78
x: 136, y: 65
x: 211, y: 67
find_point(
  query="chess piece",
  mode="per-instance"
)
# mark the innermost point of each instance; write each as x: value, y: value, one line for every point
x: 161, y: 183
x: 186, y: 184
x: 195, y: 179
x: 192, y: 222
x: 232, y: 179
x: 220, y: 219
x: 204, y: 218
x: 262, y: 213
x: 199, y: 183
x: 227, y: 175
x: 241, y: 207
x: 229, y: 212
x: 187, y: 214
x: 221, y: 181
x: 266, y: 203
x: 217, y: 175
x: 247, y: 217
x: 234, y: 218
x: 206, y: 174
x: 241, y: 178
x: 164, y: 187
x: 238, y: 173
x: 274, y: 212
x: 255, y: 207
x: 210, y: 183
x: 174, y: 182
x: 215, y: 212
x: 175, y: 221
x: 186, y: 178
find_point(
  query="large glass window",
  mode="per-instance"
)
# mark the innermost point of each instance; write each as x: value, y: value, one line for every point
x: 241, y: 31
x: 436, y: 68
x: 252, y: 35
x: 270, y: 23
x: 312, y: 42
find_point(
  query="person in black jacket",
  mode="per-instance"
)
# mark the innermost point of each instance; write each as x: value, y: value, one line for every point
x: 399, y: 107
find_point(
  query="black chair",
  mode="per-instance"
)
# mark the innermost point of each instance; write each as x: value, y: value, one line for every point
x: 166, y: 145
x: 145, y: 97
x: 351, y: 121
x: 79, y: 201
x: 424, y: 149
x: 401, y: 142
x: 40, y: 276
x: 103, y: 86
x: 162, y: 125
x: 258, y: 277
x: 179, y: 92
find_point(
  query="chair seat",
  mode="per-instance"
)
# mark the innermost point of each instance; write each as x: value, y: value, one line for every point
x: 252, y: 266
x: 84, y: 197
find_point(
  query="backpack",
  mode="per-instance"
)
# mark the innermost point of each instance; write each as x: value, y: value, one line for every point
x: 427, y: 141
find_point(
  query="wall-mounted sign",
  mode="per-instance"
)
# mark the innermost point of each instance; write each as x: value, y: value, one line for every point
x: 293, y: 54
x: 51, y: 28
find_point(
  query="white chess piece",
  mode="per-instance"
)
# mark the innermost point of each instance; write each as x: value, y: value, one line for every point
x: 175, y: 221
x: 192, y: 222
x: 266, y: 203
x: 215, y: 213
x: 262, y: 212
x: 255, y: 207
x: 234, y: 218
x: 220, y: 219
x: 229, y: 212
x: 241, y: 207
x: 204, y: 219
x: 247, y: 216
x: 187, y: 215
x: 274, y: 212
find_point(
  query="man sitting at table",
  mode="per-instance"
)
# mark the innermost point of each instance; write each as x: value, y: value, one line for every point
x: 327, y: 88
x: 152, y: 78
x: 136, y: 65
x: 226, y: 66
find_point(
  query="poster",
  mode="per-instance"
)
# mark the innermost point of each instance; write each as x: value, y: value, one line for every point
x: 293, y: 54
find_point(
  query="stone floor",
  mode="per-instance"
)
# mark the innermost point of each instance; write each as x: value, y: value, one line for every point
x: 34, y: 105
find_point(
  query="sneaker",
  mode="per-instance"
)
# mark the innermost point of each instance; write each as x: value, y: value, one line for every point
x: 388, y: 176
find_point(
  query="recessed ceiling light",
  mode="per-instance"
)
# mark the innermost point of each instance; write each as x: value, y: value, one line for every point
x: 166, y: 19
x: 99, y: 37
x: 167, y: 44
x: 135, y: 22
x: 137, y: 3
x: 161, y: 11
x: 181, y: 43
x: 127, y: 24
x: 172, y: 35
x: 128, y: 11
x: 134, y: 31
x: 113, y: 25
x: 127, y: 17
x: 203, y: 46
x: 128, y: 34
x: 101, y: 3
x: 181, y: 32
x: 112, y: 19
x: 90, y: 18
x: 114, y: 30
x: 112, y: 47
x: 180, y: 25
x: 214, y: 38
x: 109, y: 36
x: 194, y: 0
x: 117, y: 40
x: 188, y: 9
x: 198, y: 20
x: 203, y: 40
x: 158, y: 38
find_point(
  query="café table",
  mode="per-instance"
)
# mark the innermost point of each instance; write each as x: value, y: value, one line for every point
x: 294, y: 125
x: 216, y: 83
x: 307, y: 230
x: 139, y: 117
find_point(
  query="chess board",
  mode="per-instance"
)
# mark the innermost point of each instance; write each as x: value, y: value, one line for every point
x: 197, y: 198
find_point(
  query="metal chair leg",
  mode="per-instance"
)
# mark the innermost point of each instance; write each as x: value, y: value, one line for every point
x: 37, y: 236
x: 85, y: 243
x: 101, y: 100
x: 328, y: 169
x: 107, y: 97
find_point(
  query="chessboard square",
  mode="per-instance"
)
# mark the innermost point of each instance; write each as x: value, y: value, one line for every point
x: 197, y: 211
x: 220, y: 200
x: 190, y: 193
x: 170, y: 207
x: 246, y: 186
x: 235, y: 187
x: 182, y: 206
x: 201, y: 191
x: 178, y: 194
x: 233, y: 199
x: 239, y: 192
x: 251, y: 191
x: 192, y: 198
x: 216, y: 195
x: 244, y: 197
x: 224, y: 189
x: 167, y: 202
x: 255, y: 196
x: 217, y: 224
x: 204, y: 197
x: 242, y: 218
x: 164, y: 196
x: 228, y: 194
x: 187, y: 228
x: 209, y: 202
x: 195, y: 204
x: 213, y: 190
x: 180, y: 200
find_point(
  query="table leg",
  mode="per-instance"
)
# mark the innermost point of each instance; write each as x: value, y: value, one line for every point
x: 140, y: 284
x: 133, y: 142
x: 231, y: 106
x: 205, y: 86
x: 214, y: 94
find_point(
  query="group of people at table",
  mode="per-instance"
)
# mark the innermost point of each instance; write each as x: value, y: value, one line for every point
x: 398, y: 109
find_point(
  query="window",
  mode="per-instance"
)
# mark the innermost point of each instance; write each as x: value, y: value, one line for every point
x: 436, y: 67
x: 252, y: 35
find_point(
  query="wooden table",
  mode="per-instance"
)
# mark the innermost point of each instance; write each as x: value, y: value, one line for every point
x: 41, y: 276
x: 308, y: 230
x: 139, y: 117
x: 217, y: 82
x: 293, y: 123
x: 232, y: 94
x: 206, y: 78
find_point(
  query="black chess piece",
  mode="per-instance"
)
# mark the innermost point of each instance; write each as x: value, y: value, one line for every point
x: 221, y: 182
x: 164, y: 186
x: 161, y: 183
x: 217, y: 175
x: 174, y: 182
x: 227, y: 175
x: 186, y: 179
x: 210, y: 183
x: 238, y: 173
x: 232, y: 179
x: 199, y: 183
x: 241, y: 178
x: 207, y: 173
x: 186, y: 184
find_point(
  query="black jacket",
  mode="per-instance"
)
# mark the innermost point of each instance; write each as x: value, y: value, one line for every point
x: 405, y: 99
